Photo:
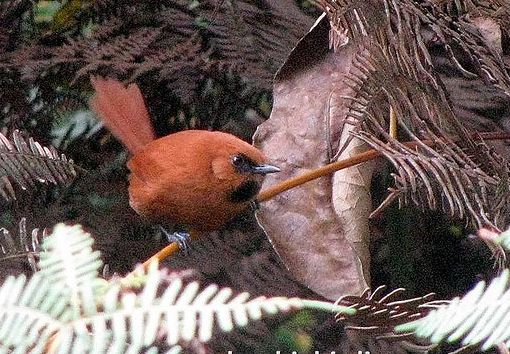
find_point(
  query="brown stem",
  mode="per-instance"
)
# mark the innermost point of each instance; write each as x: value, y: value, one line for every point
x: 164, y: 253
x: 352, y: 161
x: 393, y: 123
x: 320, y: 172
x: 314, y: 174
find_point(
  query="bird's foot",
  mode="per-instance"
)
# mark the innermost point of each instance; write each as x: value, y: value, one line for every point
x: 254, y: 205
x: 181, y: 237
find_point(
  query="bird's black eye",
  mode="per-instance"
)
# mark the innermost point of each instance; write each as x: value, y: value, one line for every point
x: 243, y: 164
x: 238, y: 161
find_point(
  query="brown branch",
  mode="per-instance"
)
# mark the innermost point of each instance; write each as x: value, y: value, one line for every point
x: 320, y: 172
x: 162, y: 254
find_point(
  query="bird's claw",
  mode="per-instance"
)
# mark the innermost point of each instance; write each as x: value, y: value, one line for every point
x: 254, y: 205
x: 181, y: 237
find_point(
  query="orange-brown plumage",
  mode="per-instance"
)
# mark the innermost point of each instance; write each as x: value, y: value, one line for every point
x: 195, y: 178
x: 123, y: 111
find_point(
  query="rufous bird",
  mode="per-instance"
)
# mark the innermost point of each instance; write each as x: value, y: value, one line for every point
x: 191, y: 180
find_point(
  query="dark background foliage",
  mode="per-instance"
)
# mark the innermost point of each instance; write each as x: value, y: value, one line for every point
x: 200, y: 64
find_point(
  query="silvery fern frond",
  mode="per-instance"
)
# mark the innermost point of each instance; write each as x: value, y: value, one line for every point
x: 65, y: 307
x: 25, y: 162
x: 26, y: 245
x: 480, y: 318
x: 72, y: 267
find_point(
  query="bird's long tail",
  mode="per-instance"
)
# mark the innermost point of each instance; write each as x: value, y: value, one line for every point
x: 123, y: 111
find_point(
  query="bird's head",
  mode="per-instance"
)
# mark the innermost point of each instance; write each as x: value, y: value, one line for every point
x: 243, y: 167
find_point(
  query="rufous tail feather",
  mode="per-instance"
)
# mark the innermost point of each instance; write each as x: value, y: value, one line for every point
x: 123, y: 112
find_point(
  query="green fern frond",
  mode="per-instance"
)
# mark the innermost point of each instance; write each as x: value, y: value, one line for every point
x: 481, y: 317
x: 62, y: 308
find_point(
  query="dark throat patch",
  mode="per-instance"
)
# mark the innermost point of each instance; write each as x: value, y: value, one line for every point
x: 246, y: 191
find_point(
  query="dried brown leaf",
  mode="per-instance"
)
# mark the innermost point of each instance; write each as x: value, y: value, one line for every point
x: 352, y: 199
x: 302, y: 223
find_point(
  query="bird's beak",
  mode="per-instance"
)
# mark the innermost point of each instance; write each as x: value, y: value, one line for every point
x: 264, y: 169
